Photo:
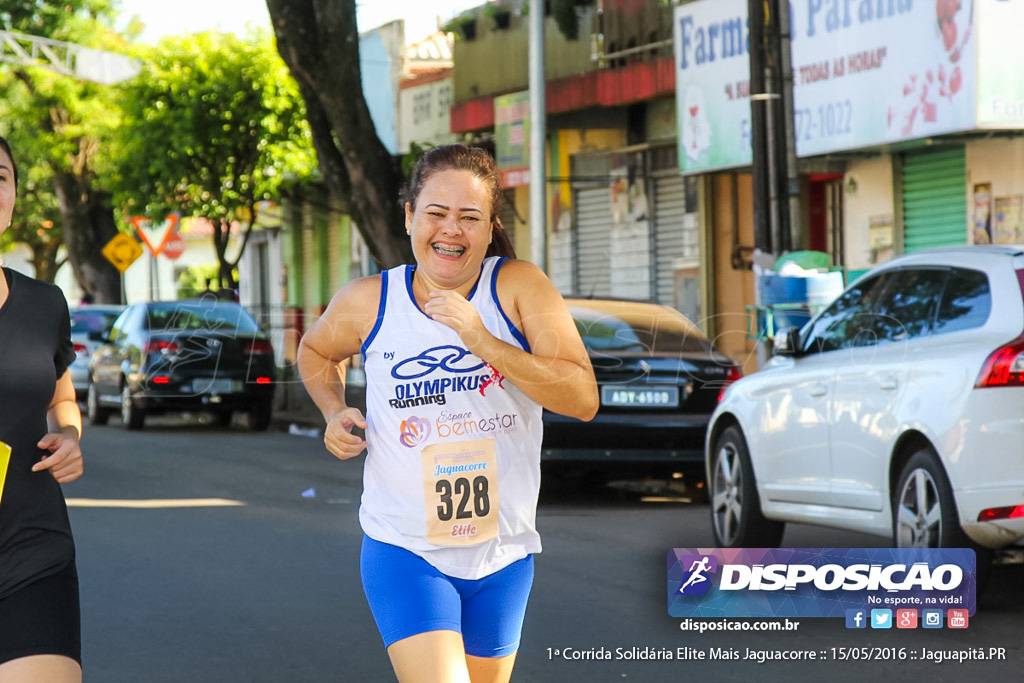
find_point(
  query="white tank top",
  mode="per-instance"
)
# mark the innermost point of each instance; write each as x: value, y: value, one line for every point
x: 452, y: 471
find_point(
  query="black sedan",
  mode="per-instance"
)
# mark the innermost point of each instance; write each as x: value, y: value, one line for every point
x: 659, y: 379
x: 192, y: 355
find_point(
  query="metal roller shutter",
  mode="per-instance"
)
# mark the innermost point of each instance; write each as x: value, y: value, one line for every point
x: 508, y: 216
x: 593, y: 243
x: 934, y: 199
x: 669, y: 234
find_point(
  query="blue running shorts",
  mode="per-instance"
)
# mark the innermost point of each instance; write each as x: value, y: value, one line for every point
x: 407, y: 596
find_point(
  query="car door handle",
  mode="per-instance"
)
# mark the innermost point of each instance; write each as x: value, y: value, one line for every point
x: 889, y: 383
x: 817, y: 390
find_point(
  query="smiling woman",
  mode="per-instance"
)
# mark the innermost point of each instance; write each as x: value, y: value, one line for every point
x: 482, y: 343
x: 40, y: 426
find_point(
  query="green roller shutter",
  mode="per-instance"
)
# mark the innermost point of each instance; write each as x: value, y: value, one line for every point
x: 934, y: 199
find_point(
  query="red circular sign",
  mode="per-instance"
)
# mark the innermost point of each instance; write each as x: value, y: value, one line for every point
x: 174, y: 246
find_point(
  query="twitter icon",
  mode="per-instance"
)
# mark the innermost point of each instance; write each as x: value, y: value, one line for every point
x: 881, y: 618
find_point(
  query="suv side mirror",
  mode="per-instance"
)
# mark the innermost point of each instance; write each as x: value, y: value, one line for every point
x: 787, y: 342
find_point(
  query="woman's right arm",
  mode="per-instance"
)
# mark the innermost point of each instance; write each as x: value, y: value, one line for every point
x: 336, y: 336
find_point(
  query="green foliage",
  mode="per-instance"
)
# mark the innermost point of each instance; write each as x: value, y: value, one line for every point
x: 194, y: 280
x: 564, y: 12
x: 54, y: 123
x: 461, y: 24
x: 212, y: 125
x: 409, y: 159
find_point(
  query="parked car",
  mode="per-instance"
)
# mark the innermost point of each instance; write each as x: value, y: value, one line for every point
x: 659, y: 380
x: 88, y: 326
x: 192, y: 355
x: 898, y: 411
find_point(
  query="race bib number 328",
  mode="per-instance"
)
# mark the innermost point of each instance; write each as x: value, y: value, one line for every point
x: 460, y: 482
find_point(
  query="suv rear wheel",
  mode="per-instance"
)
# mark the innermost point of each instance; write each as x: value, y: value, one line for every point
x: 924, y: 513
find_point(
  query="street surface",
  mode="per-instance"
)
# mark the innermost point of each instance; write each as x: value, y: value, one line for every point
x: 220, y: 555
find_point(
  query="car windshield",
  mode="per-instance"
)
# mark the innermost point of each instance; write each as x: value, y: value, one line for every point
x: 84, y: 321
x: 636, y: 327
x: 221, y: 317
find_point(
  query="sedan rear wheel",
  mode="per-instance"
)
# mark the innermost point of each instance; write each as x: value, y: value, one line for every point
x: 736, y: 518
x: 132, y: 416
x: 97, y: 414
x: 261, y: 415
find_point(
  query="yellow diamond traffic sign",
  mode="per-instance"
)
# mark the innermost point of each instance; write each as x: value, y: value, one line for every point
x: 122, y: 251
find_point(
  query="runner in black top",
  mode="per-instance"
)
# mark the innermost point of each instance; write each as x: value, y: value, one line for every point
x: 40, y: 423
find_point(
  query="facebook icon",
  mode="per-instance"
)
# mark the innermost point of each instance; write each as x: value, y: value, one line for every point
x: 856, y: 618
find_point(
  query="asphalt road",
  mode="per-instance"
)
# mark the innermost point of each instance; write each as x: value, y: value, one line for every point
x: 210, y: 554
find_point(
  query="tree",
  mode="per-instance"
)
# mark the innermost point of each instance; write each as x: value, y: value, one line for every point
x: 211, y: 128
x: 58, y: 126
x: 319, y: 41
x: 36, y: 223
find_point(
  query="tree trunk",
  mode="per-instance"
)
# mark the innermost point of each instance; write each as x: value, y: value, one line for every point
x: 44, y: 260
x: 319, y: 41
x: 88, y: 222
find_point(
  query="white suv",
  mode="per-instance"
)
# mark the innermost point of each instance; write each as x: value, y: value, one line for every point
x: 898, y: 411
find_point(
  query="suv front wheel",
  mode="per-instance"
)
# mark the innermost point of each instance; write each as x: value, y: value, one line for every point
x: 736, y: 518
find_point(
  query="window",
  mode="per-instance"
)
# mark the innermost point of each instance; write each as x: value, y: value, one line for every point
x: 847, y: 318
x: 966, y: 303
x: 223, y: 317
x: 906, y: 309
x: 637, y: 328
x: 124, y: 323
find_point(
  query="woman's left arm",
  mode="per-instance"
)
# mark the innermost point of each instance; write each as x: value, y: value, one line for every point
x: 556, y: 372
x: 64, y: 421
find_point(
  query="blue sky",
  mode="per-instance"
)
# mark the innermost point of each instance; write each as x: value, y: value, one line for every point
x: 192, y: 16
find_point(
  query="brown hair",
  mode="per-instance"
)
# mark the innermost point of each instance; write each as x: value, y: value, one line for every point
x: 463, y: 158
x: 14, y: 167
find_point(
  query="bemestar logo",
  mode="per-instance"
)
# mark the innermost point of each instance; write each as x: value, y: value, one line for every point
x: 830, y: 577
x: 698, y: 567
x: 413, y: 431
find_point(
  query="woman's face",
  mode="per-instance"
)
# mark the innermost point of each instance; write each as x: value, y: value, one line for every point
x: 6, y: 190
x: 450, y: 227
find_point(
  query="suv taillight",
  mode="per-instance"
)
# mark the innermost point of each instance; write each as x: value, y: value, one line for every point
x: 1004, y: 367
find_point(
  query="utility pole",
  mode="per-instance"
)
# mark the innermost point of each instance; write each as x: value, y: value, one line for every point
x: 776, y: 181
x: 785, y: 34
x: 538, y: 134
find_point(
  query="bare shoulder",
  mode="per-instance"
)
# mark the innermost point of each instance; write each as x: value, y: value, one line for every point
x: 524, y: 291
x: 361, y: 293
x: 349, y: 318
x: 523, y: 282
